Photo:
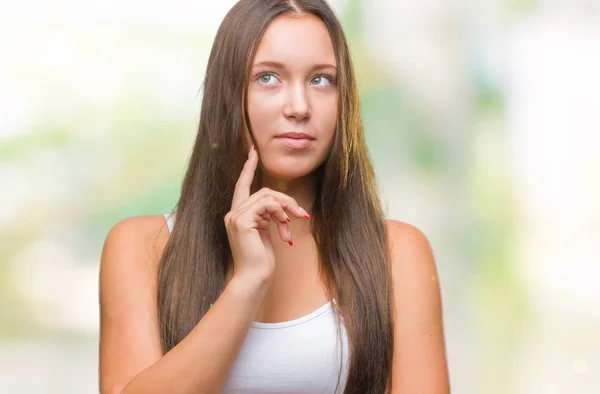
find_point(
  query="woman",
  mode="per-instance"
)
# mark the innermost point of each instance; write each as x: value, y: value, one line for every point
x: 280, y: 274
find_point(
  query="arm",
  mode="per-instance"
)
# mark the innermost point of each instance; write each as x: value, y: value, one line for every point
x: 131, y: 359
x: 419, y: 364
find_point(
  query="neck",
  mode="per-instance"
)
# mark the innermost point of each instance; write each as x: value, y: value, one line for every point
x: 303, y: 190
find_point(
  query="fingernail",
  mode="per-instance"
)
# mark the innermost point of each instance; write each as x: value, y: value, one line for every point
x: 306, y: 215
x: 288, y: 220
x: 251, y: 151
x: 291, y: 243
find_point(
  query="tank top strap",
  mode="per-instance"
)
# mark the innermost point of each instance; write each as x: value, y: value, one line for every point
x: 170, y: 221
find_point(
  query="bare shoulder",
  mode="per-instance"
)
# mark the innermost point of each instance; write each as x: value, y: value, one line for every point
x: 129, y: 338
x: 132, y: 250
x: 419, y: 364
x: 142, y: 236
x: 409, y: 246
x: 413, y: 269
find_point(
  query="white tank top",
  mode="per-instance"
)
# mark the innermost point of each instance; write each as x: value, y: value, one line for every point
x: 300, y: 356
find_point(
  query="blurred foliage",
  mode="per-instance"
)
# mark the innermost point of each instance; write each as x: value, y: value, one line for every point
x: 145, y: 144
x: 134, y: 165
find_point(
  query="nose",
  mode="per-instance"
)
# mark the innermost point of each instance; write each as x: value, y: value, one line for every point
x: 297, y: 106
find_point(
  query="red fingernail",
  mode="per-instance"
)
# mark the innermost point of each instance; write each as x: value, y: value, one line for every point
x: 308, y: 217
x: 291, y: 243
x: 288, y: 220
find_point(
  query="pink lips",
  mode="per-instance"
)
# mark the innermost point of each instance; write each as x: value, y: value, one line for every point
x: 295, y: 140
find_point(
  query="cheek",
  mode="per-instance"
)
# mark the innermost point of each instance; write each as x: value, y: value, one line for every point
x: 261, y: 112
x: 328, y: 117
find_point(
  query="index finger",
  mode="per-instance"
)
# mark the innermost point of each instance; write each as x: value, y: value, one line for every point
x: 244, y: 183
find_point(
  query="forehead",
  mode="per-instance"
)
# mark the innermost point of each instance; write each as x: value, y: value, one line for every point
x: 296, y: 40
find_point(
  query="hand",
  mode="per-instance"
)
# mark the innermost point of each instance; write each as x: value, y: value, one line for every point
x: 248, y: 222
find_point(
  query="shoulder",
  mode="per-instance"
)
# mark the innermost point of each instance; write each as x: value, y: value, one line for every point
x: 413, y: 267
x: 419, y: 363
x: 138, y: 227
x: 129, y: 338
x: 134, y: 244
x: 137, y: 234
x: 408, y: 244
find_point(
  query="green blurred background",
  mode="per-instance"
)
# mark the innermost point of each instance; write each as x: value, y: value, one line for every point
x: 481, y: 117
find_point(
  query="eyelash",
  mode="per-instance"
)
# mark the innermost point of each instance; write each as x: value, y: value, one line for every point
x: 322, y: 75
x: 331, y: 79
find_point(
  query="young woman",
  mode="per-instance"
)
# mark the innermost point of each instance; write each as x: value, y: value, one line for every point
x: 280, y: 274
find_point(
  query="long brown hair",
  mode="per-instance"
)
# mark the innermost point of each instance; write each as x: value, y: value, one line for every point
x: 348, y: 223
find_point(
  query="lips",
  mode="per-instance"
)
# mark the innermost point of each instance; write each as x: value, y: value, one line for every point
x: 296, y: 136
x: 295, y: 140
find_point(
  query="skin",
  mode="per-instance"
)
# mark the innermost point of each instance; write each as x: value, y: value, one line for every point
x: 293, y: 88
x: 287, y: 96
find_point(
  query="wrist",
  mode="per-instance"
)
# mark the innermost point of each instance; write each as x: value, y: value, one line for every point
x: 250, y: 285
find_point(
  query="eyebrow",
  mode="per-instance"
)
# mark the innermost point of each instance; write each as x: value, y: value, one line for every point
x: 281, y: 66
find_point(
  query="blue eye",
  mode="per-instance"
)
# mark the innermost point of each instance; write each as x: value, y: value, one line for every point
x: 322, y: 80
x: 267, y: 79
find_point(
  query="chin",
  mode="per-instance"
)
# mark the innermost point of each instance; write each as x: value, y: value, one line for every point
x: 284, y: 174
x: 289, y: 170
